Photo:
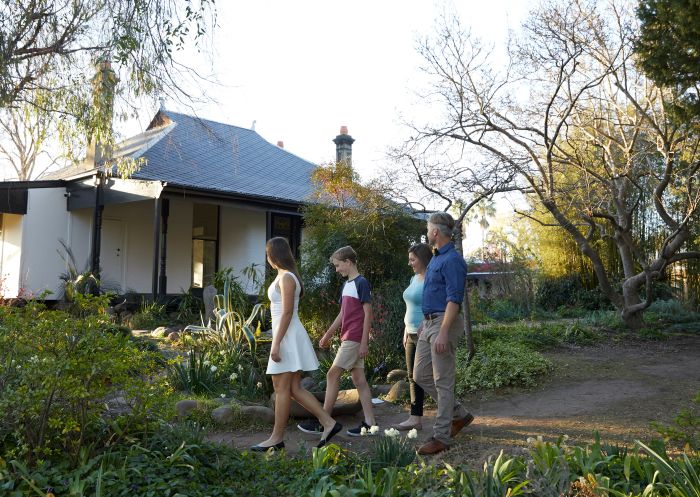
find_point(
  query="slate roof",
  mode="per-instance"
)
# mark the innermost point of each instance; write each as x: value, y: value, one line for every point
x: 204, y: 154
x: 197, y: 153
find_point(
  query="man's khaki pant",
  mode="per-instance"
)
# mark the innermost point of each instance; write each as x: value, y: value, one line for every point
x: 435, y: 373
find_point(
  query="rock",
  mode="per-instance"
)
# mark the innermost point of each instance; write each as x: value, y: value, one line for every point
x: 399, y: 391
x: 308, y: 383
x: 223, y: 415
x: 348, y: 402
x: 184, y: 407
x: 258, y: 413
x: 396, y: 375
x: 159, y: 332
x: 174, y: 336
x: 208, y: 295
x: 378, y: 390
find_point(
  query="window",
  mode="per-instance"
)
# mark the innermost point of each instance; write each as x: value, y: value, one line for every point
x: 205, y: 244
x: 287, y: 226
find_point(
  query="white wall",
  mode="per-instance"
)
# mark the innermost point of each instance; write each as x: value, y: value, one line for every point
x: 10, y: 254
x: 242, y: 238
x: 44, y: 224
x: 179, y: 263
x: 137, y: 253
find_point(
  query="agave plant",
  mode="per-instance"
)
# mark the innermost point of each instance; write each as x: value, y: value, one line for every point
x: 229, y: 327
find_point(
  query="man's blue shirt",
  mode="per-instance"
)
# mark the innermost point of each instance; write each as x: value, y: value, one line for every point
x: 444, y: 280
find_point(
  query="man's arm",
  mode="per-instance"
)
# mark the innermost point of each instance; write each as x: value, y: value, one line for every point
x: 451, y: 313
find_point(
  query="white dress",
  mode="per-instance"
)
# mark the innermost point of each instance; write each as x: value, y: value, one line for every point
x: 296, y: 351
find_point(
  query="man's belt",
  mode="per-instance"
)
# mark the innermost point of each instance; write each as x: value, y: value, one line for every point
x: 433, y: 315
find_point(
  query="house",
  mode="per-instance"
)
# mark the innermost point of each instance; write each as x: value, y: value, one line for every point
x: 208, y: 196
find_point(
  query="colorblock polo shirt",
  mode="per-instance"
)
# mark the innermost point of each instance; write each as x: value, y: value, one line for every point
x: 355, y: 293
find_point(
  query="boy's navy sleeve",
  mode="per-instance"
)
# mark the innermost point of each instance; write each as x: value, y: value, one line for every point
x: 363, y: 291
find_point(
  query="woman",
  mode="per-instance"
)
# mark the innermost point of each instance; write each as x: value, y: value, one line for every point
x: 419, y: 256
x: 292, y: 351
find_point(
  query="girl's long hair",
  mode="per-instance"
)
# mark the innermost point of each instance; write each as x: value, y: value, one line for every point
x: 280, y: 254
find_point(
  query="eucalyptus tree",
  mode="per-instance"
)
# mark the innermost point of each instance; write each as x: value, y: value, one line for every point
x: 50, y: 47
x: 580, y: 127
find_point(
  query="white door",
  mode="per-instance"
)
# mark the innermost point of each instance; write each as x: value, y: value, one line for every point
x: 112, y: 255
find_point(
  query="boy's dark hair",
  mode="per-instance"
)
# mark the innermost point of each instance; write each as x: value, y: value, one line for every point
x: 345, y: 254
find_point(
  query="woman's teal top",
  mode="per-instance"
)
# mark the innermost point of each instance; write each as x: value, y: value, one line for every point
x: 413, y: 296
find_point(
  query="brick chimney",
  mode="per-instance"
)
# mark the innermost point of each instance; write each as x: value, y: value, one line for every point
x: 104, y: 84
x: 343, y: 146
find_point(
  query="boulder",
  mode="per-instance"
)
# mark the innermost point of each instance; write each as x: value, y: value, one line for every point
x: 348, y: 402
x: 223, y: 415
x: 258, y: 413
x: 308, y: 383
x: 378, y: 390
x: 174, y: 336
x: 159, y: 332
x: 208, y: 295
x: 399, y: 391
x: 396, y: 375
x: 185, y: 407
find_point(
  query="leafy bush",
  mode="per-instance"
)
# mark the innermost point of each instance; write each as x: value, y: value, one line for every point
x: 499, y: 364
x: 58, y: 372
x: 685, y: 429
x: 151, y: 315
x: 568, y: 291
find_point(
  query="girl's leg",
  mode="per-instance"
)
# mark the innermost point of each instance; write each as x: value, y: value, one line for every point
x: 417, y: 394
x: 310, y: 403
x: 283, y: 392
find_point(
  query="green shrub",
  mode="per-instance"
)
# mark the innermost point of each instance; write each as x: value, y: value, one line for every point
x: 150, y: 316
x: 58, y: 372
x: 685, y: 429
x: 499, y: 364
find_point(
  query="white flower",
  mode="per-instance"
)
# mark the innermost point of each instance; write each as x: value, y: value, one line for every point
x: 233, y: 377
x: 213, y: 368
x: 259, y: 384
x: 391, y: 432
x: 412, y: 434
x: 374, y: 430
x: 240, y: 368
x: 206, y: 363
x: 363, y: 431
x: 223, y: 395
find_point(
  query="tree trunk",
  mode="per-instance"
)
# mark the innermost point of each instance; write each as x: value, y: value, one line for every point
x: 459, y: 235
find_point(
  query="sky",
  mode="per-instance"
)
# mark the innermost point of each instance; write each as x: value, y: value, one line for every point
x: 301, y: 70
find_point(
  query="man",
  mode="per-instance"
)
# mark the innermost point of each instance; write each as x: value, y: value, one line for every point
x: 434, y: 369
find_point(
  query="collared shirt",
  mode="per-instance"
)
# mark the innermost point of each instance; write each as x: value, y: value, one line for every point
x: 444, y: 280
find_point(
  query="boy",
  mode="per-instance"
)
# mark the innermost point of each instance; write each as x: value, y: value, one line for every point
x: 354, y: 320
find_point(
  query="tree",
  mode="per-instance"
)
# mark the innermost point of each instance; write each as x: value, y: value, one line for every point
x: 580, y: 128
x: 669, y: 45
x: 346, y: 212
x: 23, y: 132
x: 49, y: 47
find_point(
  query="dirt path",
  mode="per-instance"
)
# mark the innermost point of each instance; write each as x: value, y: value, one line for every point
x: 617, y: 389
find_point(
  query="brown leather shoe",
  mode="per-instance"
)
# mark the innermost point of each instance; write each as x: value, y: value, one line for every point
x: 432, y: 447
x: 458, y: 424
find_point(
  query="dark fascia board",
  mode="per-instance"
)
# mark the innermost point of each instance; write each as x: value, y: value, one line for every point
x: 81, y: 194
x: 263, y: 203
x: 14, y: 194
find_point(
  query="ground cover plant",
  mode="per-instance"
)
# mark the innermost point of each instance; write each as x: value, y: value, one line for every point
x: 58, y: 376
x: 181, y: 463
